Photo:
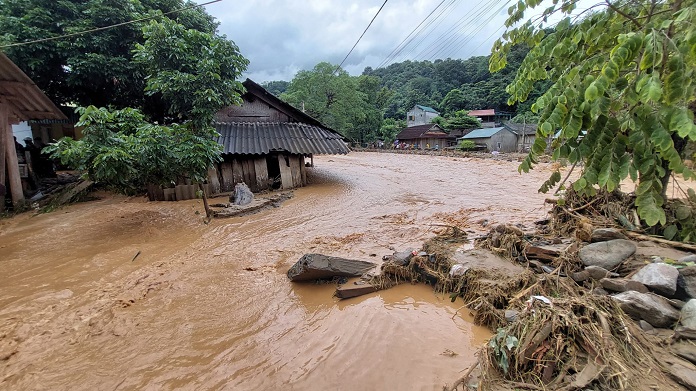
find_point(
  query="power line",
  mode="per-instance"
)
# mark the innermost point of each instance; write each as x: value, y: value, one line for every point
x: 106, y: 27
x: 361, y: 35
x: 429, y: 29
x: 394, y: 53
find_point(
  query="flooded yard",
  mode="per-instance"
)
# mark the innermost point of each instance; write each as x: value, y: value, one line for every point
x: 209, y: 306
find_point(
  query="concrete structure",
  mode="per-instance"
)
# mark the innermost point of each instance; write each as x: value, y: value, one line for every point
x: 420, y: 115
x: 498, y: 139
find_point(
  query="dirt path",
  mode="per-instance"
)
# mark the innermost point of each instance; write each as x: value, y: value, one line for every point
x: 209, y: 306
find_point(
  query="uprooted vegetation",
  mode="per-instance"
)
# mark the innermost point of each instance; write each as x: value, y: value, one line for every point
x: 561, y: 336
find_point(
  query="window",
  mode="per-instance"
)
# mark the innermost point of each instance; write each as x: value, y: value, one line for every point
x: 500, y: 145
x: 411, y: 118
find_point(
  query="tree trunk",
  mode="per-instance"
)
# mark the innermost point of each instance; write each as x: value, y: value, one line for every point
x: 208, y: 211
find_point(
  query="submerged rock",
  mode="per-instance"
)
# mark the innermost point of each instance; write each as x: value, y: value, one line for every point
x: 660, y: 277
x: 607, y: 254
x: 318, y: 266
x: 652, y: 308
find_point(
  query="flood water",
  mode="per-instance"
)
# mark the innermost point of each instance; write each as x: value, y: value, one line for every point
x: 209, y: 307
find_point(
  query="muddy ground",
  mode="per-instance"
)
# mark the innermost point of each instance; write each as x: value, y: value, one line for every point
x: 209, y: 306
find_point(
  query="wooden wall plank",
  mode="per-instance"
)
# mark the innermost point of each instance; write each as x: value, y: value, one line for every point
x: 295, y: 170
x: 238, y: 172
x: 227, y: 173
x: 303, y: 171
x: 261, y: 170
x: 249, y: 173
x: 213, y: 181
x: 285, y: 173
x: 11, y: 157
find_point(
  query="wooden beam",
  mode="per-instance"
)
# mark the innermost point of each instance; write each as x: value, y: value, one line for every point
x: 15, y: 83
x: 11, y: 159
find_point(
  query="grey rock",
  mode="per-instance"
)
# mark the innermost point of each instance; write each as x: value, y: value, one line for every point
x: 599, y: 292
x: 607, y: 254
x: 685, y: 350
x: 682, y: 371
x: 598, y: 272
x: 580, y: 276
x: 659, y: 277
x: 402, y: 258
x: 242, y: 195
x: 604, y: 234
x: 318, y: 266
x: 622, y: 285
x: 687, y: 280
x: 645, y: 326
x: 688, y: 258
x: 511, y: 315
x: 688, y: 314
x: 652, y: 308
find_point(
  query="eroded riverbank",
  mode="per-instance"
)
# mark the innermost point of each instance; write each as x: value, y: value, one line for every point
x: 209, y: 306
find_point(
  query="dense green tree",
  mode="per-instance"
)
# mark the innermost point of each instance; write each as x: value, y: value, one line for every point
x: 624, y: 75
x: 96, y: 68
x: 276, y: 87
x: 332, y: 96
x: 389, y: 129
x: 194, y: 72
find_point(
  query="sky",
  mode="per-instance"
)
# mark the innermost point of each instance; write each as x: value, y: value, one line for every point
x: 282, y: 37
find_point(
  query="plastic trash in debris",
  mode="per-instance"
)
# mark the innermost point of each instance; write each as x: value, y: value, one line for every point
x: 458, y: 270
x: 543, y: 299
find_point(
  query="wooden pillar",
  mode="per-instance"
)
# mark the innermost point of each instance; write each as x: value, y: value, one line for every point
x: 3, y: 154
x: 11, y: 158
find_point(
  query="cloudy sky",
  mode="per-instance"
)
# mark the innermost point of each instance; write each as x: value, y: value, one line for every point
x: 281, y: 37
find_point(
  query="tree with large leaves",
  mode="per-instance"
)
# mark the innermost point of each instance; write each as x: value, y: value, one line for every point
x: 622, y: 96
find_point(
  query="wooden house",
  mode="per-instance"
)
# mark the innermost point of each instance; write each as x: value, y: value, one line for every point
x: 266, y: 143
x: 20, y: 100
x: 424, y: 136
x: 526, y: 134
x: 420, y: 115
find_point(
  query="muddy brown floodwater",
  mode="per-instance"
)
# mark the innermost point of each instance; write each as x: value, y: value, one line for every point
x: 209, y: 307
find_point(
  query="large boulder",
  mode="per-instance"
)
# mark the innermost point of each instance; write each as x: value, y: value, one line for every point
x: 659, y: 277
x: 242, y: 195
x: 688, y: 314
x: 607, y: 254
x: 318, y: 266
x: 652, y: 308
x: 604, y: 234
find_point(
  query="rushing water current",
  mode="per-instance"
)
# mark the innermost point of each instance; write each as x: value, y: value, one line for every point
x: 208, y: 307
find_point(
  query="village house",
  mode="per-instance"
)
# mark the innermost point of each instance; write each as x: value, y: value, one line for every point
x: 420, y: 115
x: 424, y: 137
x: 498, y: 139
x: 20, y: 100
x: 489, y: 117
x: 266, y: 143
x: 526, y: 134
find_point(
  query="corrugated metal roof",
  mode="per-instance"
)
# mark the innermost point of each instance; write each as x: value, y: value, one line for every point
x: 481, y: 113
x: 426, y: 108
x: 25, y: 99
x: 483, y: 133
x: 263, y: 137
x: 421, y: 131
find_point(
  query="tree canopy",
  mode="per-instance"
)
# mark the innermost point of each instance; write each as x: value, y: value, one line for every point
x: 621, y: 98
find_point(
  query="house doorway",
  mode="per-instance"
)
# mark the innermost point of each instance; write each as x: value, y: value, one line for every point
x: 273, y: 167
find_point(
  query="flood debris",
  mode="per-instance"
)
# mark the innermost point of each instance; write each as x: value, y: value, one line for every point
x: 318, y: 266
x: 359, y: 288
x: 256, y: 205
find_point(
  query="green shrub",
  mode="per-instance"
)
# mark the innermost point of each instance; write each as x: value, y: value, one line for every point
x: 466, y: 145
